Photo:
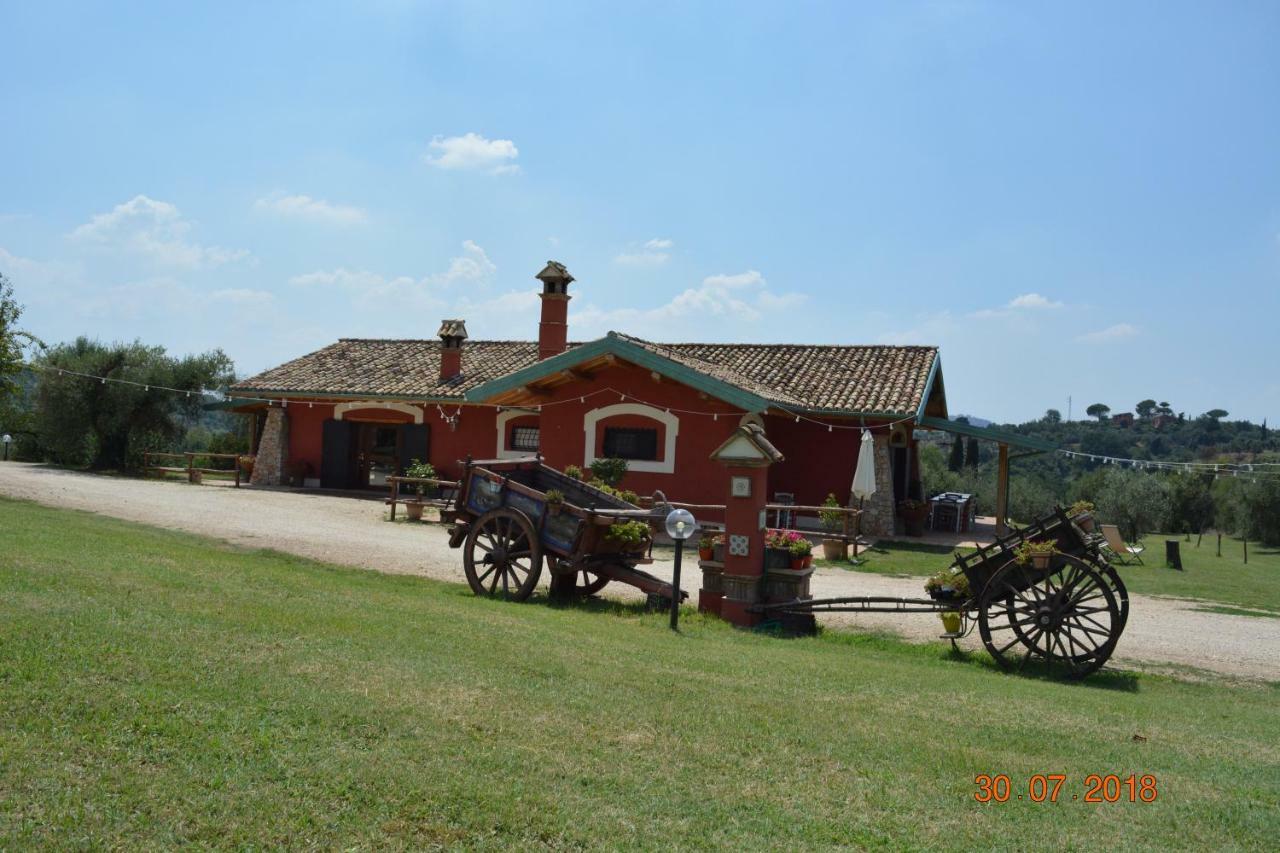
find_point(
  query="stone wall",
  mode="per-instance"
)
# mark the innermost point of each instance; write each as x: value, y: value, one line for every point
x: 879, y: 512
x: 273, y: 450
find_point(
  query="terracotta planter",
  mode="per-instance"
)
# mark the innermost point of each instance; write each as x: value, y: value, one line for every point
x: 797, y: 563
x: 707, y: 554
x: 414, y: 510
x: 1085, y: 522
x: 833, y: 549
x: 808, y: 560
x: 1041, y: 561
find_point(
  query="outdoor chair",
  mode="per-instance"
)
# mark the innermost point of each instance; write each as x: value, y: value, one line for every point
x: 1123, y: 552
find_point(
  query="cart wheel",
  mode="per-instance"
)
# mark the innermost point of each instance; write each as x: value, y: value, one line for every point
x: 589, y: 583
x: 1068, y: 615
x: 1118, y: 589
x: 503, y: 556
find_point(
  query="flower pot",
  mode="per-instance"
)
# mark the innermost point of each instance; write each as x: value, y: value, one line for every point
x: 414, y: 510
x: 554, y: 508
x: 797, y: 563
x: 1086, y: 522
x: 707, y: 554
x: 1041, y: 561
x: 950, y: 621
x: 808, y: 561
x: 833, y: 549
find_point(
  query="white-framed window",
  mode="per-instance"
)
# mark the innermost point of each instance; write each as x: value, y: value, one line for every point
x: 664, y: 463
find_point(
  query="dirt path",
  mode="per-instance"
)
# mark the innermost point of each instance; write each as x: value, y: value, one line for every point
x: 1162, y: 633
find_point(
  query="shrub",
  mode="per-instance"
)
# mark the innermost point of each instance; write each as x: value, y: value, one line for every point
x: 1031, y: 549
x: 573, y: 472
x: 628, y: 535
x: 948, y: 578
x: 831, y: 521
x: 609, y: 471
x: 425, y: 470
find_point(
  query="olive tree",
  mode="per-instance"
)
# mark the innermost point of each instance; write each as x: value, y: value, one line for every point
x: 1135, y: 502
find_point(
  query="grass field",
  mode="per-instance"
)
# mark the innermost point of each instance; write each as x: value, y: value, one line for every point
x: 160, y: 689
x: 1224, y: 580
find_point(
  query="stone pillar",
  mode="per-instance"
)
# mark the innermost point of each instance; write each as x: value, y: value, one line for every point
x: 273, y: 449
x: 879, y: 512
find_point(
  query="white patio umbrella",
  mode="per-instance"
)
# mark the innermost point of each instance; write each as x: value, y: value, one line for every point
x: 864, y: 480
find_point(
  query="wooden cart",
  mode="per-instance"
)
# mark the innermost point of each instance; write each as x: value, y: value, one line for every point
x: 1070, y: 613
x: 508, y: 531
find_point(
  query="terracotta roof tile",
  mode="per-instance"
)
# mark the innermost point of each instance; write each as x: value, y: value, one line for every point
x: 881, y: 379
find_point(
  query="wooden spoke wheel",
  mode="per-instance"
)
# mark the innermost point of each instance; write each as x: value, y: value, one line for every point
x: 1067, y: 615
x: 1118, y: 589
x: 589, y: 583
x: 502, y: 555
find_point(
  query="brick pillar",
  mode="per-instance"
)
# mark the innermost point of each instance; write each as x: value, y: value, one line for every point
x: 744, y: 544
x: 273, y: 449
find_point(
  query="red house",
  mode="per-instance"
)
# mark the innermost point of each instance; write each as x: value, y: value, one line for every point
x: 348, y: 415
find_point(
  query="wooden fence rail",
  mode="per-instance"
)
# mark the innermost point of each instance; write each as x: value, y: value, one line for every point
x: 194, y: 474
x: 395, y: 481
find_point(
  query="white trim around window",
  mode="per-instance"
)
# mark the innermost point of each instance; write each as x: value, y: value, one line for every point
x: 505, y: 418
x: 665, y: 465
x: 404, y: 408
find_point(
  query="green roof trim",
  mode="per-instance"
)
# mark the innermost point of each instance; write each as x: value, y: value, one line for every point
x: 989, y: 433
x: 611, y: 344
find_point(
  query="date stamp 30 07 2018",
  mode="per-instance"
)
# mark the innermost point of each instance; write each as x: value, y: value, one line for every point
x: 1048, y: 788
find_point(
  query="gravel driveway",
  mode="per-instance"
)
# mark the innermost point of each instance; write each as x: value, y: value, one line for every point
x: 1162, y: 633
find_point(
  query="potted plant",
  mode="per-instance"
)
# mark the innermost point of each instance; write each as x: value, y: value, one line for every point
x: 573, y: 472
x: 425, y: 470
x: 948, y: 585
x: 913, y: 513
x: 707, y: 547
x: 950, y: 621
x: 555, y: 500
x: 777, y: 548
x: 628, y: 537
x: 801, y: 553
x: 832, y: 521
x: 1035, y: 553
x: 1081, y: 513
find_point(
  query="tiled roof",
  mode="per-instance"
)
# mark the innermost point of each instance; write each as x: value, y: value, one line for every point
x: 393, y: 368
x: 880, y: 379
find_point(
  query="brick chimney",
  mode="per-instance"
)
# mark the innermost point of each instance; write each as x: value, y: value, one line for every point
x: 452, y: 333
x: 553, y: 330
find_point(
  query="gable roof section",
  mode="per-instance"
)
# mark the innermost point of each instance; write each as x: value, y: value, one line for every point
x: 848, y: 380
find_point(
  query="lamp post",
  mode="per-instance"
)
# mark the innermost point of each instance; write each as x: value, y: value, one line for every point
x: 680, y: 526
x: 7, y: 439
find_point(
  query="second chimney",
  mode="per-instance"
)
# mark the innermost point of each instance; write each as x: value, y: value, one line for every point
x: 553, y: 330
x: 452, y: 333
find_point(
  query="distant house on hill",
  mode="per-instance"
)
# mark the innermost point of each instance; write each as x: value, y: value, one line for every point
x: 1162, y: 421
x: 1124, y: 419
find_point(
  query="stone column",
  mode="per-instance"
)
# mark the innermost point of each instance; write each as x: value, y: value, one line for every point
x: 879, y: 512
x: 273, y: 449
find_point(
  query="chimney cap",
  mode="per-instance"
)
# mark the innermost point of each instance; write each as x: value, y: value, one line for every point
x: 555, y: 272
x: 453, y: 329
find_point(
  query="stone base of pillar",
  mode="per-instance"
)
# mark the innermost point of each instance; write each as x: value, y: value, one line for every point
x: 712, y: 592
x: 740, y: 593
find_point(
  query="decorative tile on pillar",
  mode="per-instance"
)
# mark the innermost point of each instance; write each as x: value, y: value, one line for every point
x: 739, y: 546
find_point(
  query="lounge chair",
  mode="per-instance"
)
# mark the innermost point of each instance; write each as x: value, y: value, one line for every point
x: 1123, y: 552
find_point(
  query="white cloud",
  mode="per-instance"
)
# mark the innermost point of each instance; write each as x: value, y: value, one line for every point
x: 154, y: 230
x: 1025, y: 302
x: 732, y: 300
x: 654, y: 253
x: 1117, y: 332
x: 473, y: 152
x: 311, y: 209
x: 1032, y: 300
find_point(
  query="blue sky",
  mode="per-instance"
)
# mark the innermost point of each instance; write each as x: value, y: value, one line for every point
x: 1081, y: 200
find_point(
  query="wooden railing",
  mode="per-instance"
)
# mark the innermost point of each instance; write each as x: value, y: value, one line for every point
x: 395, y: 481
x: 194, y: 473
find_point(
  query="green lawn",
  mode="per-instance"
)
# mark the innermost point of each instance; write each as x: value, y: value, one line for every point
x: 159, y: 689
x: 1225, y: 580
